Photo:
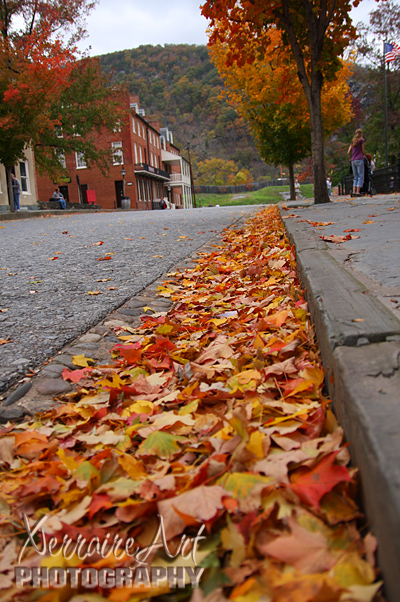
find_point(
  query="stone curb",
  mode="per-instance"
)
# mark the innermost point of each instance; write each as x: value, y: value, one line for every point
x: 7, y: 216
x: 359, y: 340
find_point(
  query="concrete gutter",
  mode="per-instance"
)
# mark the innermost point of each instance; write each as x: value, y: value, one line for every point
x: 359, y: 338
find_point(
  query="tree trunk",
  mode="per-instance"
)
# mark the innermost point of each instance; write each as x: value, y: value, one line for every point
x: 291, y: 183
x: 312, y: 85
x: 317, y: 143
x: 10, y: 189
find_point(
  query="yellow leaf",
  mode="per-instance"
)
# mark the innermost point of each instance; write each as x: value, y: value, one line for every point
x: 147, y: 308
x: 218, y: 321
x: 139, y: 407
x: 82, y: 361
x: 285, y: 418
x: 353, y: 570
x: 361, y: 593
x: 225, y: 433
x: 115, y: 383
x: 258, y: 342
x: 255, y: 444
x: 232, y: 539
x: 94, y: 293
x: 188, y: 409
x: 132, y: 467
x: 165, y: 291
x: 67, y: 460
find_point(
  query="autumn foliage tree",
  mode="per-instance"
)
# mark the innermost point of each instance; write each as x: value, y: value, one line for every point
x: 384, y: 25
x: 37, y: 65
x: 86, y: 105
x: 220, y: 172
x: 268, y: 94
x: 316, y: 32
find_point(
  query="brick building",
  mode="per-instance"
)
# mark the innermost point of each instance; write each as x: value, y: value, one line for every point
x: 179, y: 187
x: 146, y: 167
x: 25, y: 172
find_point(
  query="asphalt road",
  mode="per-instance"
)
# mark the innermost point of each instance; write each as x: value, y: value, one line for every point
x: 50, y: 265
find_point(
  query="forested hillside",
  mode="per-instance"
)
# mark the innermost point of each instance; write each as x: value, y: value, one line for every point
x: 180, y: 85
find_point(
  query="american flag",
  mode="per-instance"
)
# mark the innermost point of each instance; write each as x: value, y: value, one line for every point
x: 391, y: 51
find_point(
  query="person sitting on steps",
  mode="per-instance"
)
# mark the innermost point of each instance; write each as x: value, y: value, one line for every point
x: 57, y: 196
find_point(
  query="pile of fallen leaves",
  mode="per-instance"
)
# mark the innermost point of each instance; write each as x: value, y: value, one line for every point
x: 211, y: 414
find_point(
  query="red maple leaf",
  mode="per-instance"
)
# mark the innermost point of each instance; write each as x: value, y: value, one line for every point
x: 312, y: 484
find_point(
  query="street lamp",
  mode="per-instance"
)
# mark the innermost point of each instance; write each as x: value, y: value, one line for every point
x: 123, y: 174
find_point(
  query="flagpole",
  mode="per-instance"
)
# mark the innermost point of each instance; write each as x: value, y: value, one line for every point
x: 385, y: 106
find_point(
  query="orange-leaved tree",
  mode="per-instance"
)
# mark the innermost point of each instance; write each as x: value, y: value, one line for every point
x: 267, y: 93
x: 316, y: 32
x: 37, y: 55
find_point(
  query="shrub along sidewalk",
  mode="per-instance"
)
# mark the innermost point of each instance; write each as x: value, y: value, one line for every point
x: 210, y: 433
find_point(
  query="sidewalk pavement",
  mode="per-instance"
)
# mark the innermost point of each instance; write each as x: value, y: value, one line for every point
x: 353, y: 290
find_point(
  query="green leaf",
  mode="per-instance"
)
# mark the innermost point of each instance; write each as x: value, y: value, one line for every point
x: 159, y: 444
x: 240, y: 484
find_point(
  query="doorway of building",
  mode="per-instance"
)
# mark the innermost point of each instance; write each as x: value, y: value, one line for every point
x: 83, y: 188
x: 64, y: 192
x: 119, y: 192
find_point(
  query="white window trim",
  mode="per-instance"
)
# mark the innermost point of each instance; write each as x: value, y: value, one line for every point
x: 135, y: 151
x: 133, y: 126
x: 118, y: 156
x: 79, y: 157
x: 61, y: 157
x: 26, y: 177
x: 117, y: 127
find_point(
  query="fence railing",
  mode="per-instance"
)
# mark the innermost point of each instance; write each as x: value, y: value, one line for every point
x: 239, y: 188
x: 384, y: 180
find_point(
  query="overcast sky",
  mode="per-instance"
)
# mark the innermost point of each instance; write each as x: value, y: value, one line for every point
x: 124, y: 24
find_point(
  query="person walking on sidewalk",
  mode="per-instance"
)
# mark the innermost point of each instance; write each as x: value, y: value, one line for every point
x: 16, y: 186
x: 356, y: 156
x: 329, y: 185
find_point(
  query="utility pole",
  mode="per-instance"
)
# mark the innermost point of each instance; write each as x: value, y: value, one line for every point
x: 385, y: 106
x: 191, y: 176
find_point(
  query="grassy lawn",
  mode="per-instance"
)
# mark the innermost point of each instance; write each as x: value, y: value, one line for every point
x: 266, y: 195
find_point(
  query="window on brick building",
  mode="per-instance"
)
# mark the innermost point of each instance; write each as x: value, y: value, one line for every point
x: 61, y: 157
x: 80, y: 161
x: 133, y: 126
x: 24, y: 173
x: 136, y: 153
x: 118, y: 157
